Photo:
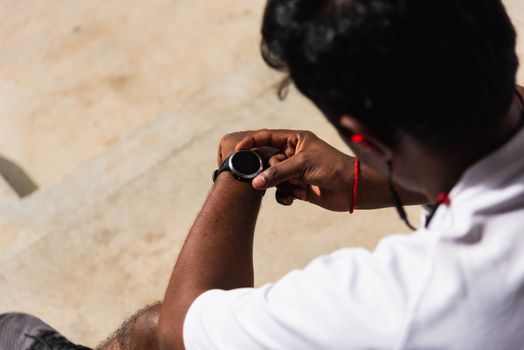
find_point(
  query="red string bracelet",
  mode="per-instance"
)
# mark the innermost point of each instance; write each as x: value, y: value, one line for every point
x: 355, y: 185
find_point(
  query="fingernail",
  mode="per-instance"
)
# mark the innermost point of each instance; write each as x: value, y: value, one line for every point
x: 259, y: 182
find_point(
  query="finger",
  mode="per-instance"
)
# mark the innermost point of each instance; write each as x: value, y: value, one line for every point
x: 267, y: 151
x: 296, y: 181
x: 298, y: 192
x: 280, y: 172
x: 273, y: 138
x: 277, y: 158
x: 284, y: 198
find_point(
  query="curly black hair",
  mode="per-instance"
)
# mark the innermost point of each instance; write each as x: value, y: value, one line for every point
x: 436, y: 69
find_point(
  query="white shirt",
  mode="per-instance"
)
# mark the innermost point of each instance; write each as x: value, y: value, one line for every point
x: 458, y: 284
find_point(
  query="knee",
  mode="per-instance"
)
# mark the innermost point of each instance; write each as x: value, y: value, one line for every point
x: 147, y: 321
x: 143, y: 330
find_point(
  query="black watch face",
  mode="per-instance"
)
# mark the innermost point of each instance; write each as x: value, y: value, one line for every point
x: 246, y: 162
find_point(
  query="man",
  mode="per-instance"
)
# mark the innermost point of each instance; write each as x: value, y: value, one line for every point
x: 423, y: 92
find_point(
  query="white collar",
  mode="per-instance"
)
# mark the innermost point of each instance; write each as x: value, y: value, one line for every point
x: 493, y: 184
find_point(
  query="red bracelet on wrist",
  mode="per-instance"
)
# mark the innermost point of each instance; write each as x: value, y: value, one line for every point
x: 355, y: 186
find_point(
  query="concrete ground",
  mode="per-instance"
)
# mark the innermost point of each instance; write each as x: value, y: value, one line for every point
x: 113, y: 109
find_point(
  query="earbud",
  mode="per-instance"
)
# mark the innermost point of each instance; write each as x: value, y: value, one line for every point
x: 357, y: 138
x: 360, y: 139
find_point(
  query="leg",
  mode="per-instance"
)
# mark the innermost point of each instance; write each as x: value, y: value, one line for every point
x: 139, y: 332
x: 23, y: 331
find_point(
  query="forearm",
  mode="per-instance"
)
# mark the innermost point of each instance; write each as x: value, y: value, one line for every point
x: 373, y: 191
x: 308, y: 168
x: 218, y: 253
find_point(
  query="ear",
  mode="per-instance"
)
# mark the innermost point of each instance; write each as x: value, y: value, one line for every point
x: 369, y: 143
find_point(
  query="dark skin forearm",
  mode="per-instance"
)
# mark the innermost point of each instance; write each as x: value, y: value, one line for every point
x: 218, y: 254
x: 309, y: 169
x: 373, y: 192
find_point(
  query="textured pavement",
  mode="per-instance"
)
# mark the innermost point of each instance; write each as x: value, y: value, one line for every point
x: 114, y: 109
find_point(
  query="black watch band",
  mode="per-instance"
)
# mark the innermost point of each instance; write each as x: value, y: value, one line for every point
x: 223, y: 167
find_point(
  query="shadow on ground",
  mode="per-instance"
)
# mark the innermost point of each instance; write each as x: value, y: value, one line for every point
x: 17, y: 178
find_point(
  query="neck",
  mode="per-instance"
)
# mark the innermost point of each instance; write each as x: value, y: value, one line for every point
x: 438, y: 171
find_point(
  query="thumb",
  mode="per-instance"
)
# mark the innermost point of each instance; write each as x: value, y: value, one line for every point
x: 277, y: 173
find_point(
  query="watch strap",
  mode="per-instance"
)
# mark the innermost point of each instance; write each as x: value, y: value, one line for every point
x: 223, y: 167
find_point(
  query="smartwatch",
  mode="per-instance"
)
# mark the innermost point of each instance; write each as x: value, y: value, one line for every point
x: 243, y: 165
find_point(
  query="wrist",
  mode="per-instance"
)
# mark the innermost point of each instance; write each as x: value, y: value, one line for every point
x: 227, y: 183
x: 348, y: 180
x: 356, y: 180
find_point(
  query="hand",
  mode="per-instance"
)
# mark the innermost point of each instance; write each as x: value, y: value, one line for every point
x: 307, y: 168
x: 228, y: 143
